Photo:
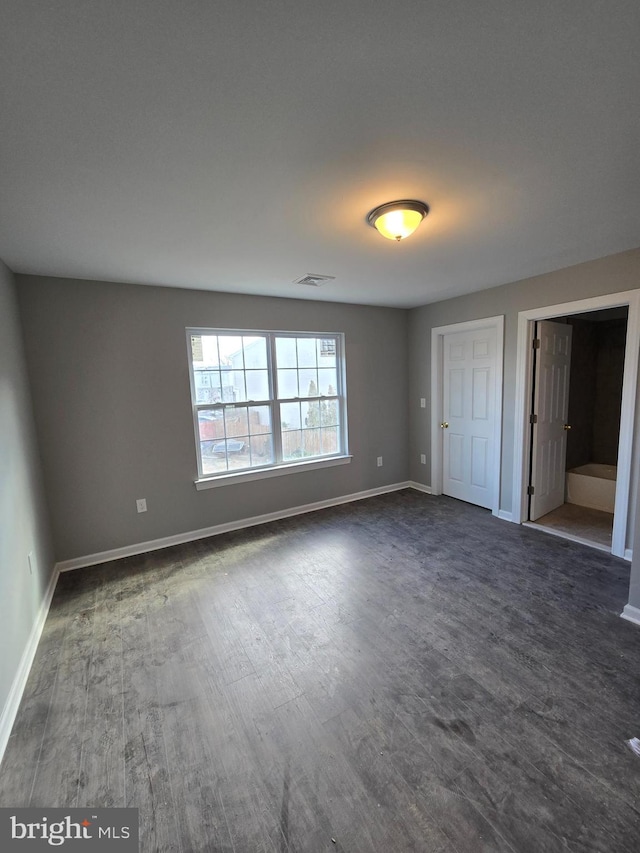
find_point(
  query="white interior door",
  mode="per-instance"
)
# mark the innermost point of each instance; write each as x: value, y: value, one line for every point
x: 469, y: 413
x: 550, y: 409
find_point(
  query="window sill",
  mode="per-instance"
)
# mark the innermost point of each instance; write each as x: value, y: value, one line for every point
x: 265, y: 473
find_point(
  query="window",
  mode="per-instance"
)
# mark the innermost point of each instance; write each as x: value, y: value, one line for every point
x: 266, y: 400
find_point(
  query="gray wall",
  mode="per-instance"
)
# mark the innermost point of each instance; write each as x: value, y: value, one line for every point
x: 606, y: 275
x: 108, y: 369
x: 24, y: 524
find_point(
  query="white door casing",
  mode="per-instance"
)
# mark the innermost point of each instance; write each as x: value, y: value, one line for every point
x: 469, y: 413
x: 623, y: 525
x: 550, y: 409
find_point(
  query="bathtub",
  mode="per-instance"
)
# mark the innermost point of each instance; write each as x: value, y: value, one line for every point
x: 592, y: 485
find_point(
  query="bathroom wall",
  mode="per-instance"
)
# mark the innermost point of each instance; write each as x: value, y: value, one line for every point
x: 582, y: 392
x: 608, y: 395
x: 595, y: 391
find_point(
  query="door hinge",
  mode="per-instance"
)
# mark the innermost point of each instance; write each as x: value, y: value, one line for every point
x: 533, y: 419
x: 536, y: 343
x: 530, y: 490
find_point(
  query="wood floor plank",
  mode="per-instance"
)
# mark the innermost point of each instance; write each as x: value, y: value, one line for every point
x: 402, y: 816
x: 101, y: 777
x: 148, y: 777
x: 56, y: 778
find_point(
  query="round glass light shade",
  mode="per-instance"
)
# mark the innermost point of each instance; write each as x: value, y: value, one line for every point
x: 398, y: 219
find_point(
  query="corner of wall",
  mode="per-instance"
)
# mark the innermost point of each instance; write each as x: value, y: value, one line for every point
x: 27, y: 573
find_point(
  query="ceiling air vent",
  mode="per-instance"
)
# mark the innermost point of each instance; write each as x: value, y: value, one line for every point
x: 314, y: 280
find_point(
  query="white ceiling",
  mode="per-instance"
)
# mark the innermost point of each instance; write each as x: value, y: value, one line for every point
x: 236, y: 145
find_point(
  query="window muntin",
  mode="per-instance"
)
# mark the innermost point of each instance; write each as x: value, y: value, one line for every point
x: 263, y: 399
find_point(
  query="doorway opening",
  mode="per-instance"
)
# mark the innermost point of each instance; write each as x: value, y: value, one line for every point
x: 624, y: 510
x: 573, y: 463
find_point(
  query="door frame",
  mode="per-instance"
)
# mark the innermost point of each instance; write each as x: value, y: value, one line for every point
x: 524, y: 386
x: 437, y: 384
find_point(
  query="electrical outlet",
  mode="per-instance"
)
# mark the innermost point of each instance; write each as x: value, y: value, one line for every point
x: 30, y: 561
x: 141, y: 504
x: 423, y: 458
x: 379, y: 461
x: 423, y: 402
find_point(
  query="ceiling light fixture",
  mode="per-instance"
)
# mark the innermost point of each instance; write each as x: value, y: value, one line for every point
x: 396, y: 220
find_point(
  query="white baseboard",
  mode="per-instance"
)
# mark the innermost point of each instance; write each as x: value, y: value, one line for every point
x: 628, y: 554
x: 419, y: 487
x: 505, y: 515
x: 217, y: 529
x: 10, y: 710
x: 631, y: 613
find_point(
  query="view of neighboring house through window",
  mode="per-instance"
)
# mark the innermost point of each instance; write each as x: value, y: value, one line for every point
x: 262, y: 399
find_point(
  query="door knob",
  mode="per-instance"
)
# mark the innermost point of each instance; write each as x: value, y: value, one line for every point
x: 444, y: 425
x: 567, y: 426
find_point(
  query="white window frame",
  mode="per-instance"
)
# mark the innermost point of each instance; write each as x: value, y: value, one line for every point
x: 279, y: 466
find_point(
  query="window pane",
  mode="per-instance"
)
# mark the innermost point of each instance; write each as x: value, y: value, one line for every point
x: 224, y: 453
x: 230, y: 349
x: 330, y: 440
x: 255, y: 352
x: 286, y: 352
x: 308, y: 383
x: 228, y: 392
x: 326, y: 352
x: 235, y: 379
x: 261, y: 439
x: 261, y: 447
x: 238, y: 453
x: 212, y: 463
x: 207, y: 385
x: 307, y: 352
x: 236, y: 421
x: 292, y: 445
x: 259, y: 420
x: 210, y: 425
x: 311, y: 442
x: 287, y: 384
x: 329, y: 413
x: 257, y: 382
x: 328, y: 381
x: 311, y: 414
x: 290, y: 416
x: 206, y: 351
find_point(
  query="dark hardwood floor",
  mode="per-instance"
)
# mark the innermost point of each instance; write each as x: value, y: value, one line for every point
x: 402, y: 673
